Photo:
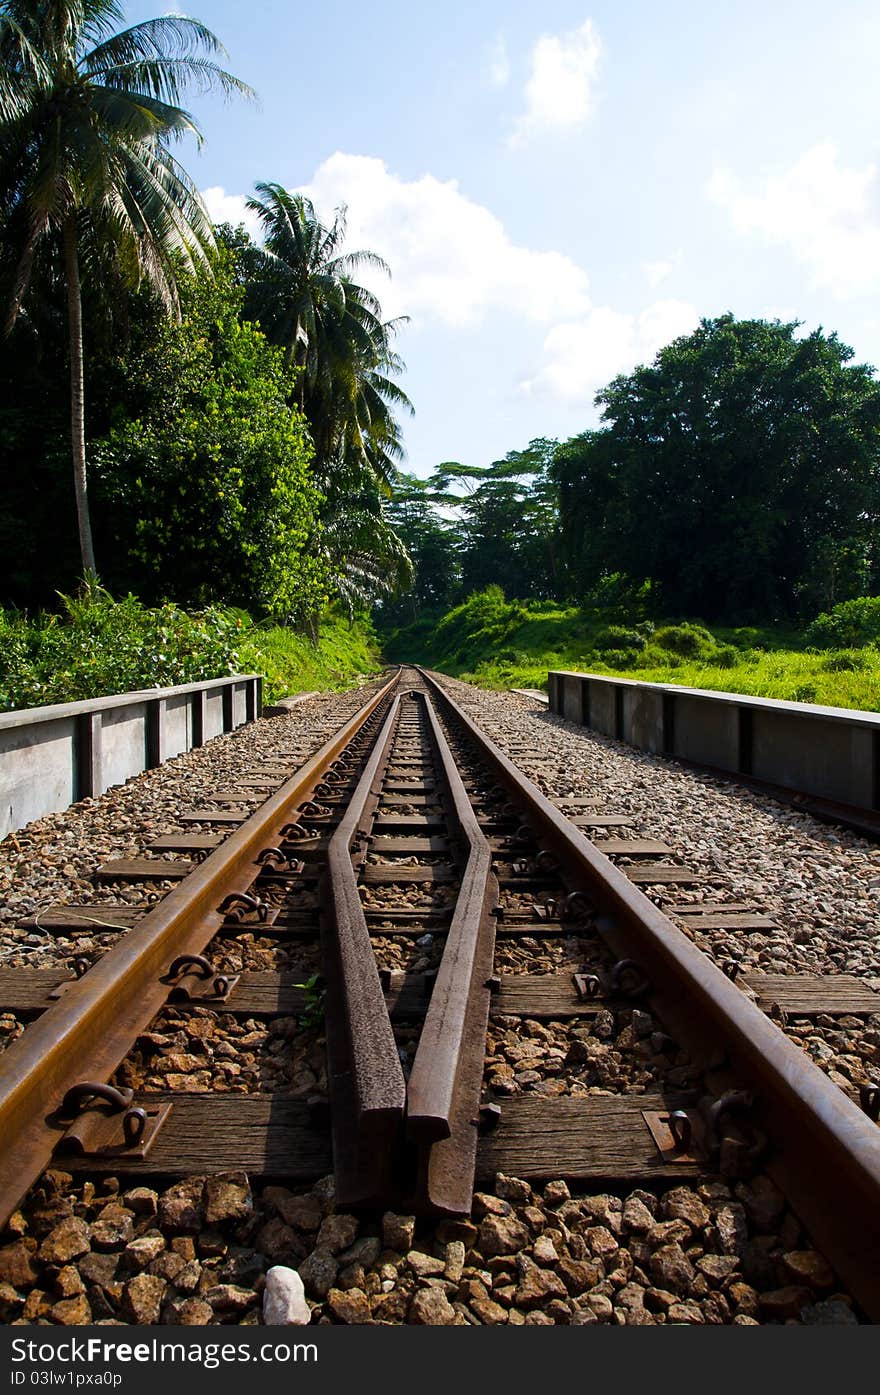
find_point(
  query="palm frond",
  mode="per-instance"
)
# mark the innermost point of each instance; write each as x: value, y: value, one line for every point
x: 170, y: 78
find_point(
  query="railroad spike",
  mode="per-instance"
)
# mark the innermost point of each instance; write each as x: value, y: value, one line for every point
x: 489, y: 1117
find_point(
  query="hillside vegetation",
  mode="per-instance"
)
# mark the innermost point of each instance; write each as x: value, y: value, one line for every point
x: 503, y: 644
x: 99, y: 646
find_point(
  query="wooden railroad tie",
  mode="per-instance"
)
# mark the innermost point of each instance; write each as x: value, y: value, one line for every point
x: 265, y: 993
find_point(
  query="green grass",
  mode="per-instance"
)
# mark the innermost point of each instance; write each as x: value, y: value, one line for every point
x: 96, y: 645
x: 291, y: 663
x: 510, y: 644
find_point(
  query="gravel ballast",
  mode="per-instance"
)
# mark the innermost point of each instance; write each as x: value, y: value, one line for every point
x: 53, y: 859
x: 819, y: 882
x: 198, y: 1252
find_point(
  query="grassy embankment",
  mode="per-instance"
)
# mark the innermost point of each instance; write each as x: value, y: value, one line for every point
x: 291, y: 663
x: 504, y: 644
x: 98, y: 646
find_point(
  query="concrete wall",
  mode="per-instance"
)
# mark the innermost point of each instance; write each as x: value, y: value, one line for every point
x: 600, y: 704
x: 830, y: 752
x: 706, y: 731
x: 123, y: 736
x: 643, y: 718
x: 52, y: 756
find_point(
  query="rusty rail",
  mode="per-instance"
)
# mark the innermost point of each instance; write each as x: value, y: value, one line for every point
x: 369, y: 1095
x: 367, y: 1088
x: 90, y: 1030
x: 443, y: 1093
x: 825, y: 1151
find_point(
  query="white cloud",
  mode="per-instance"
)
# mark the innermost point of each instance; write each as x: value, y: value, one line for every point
x: 656, y: 272
x: 451, y: 258
x: 785, y: 313
x: 559, y: 92
x: 498, y: 67
x: 230, y: 208
x: 583, y: 355
x: 819, y: 210
x: 454, y: 264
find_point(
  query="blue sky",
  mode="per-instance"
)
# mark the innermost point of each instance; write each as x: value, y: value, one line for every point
x: 560, y: 190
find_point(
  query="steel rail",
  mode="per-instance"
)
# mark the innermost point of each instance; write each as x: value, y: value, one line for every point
x: 825, y: 1151
x: 91, y: 1028
x: 367, y: 1088
x: 443, y: 1091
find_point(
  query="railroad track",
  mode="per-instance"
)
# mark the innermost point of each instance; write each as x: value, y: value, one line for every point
x: 427, y: 879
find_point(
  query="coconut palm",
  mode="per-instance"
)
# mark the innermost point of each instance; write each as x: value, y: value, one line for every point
x: 301, y: 287
x: 88, y: 111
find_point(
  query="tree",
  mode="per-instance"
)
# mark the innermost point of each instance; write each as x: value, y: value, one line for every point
x: 87, y: 116
x: 508, y: 521
x: 302, y: 291
x: 204, y: 483
x: 432, y: 540
x: 739, y: 472
x: 300, y: 287
x: 366, y: 557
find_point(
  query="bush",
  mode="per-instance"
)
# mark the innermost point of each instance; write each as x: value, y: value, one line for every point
x: 746, y: 636
x: 690, y: 641
x: 619, y: 637
x: 615, y: 658
x: 852, y: 661
x: 99, y: 646
x: 804, y: 692
x: 727, y: 656
x: 848, y: 626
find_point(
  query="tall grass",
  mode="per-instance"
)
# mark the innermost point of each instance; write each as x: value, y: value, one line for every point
x: 504, y: 644
x: 96, y: 646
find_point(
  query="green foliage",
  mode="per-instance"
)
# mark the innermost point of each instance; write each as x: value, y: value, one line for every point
x: 87, y: 119
x: 690, y: 641
x: 502, y: 644
x: 482, y: 623
x: 614, y: 658
x: 344, y: 652
x: 726, y: 656
x: 100, y: 646
x: 848, y: 625
x: 805, y: 692
x: 847, y: 661
x: 745, y: 637
x: 301, y: 288
x: 759, y: 493
x: 468, y: 527
x: 206, y: 483
x: 315, y: 996
x: 619, y: 637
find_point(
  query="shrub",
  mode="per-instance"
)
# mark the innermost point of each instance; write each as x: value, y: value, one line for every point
x: 804, y: 692
x: 619, y: 637
x: 746, y: 636
x: 848, y: 625
x: 848, y: 661
x: 99, y: 646
x: 727, y: 656
x: 690, y: 641
x: 615, y: 658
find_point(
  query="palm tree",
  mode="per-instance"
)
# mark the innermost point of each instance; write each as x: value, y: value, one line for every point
x: 302, y: 290
x: 87, y: 115
x: 363, y: 553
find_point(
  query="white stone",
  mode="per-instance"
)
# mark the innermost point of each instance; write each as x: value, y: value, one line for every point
x: 284, y: 1299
